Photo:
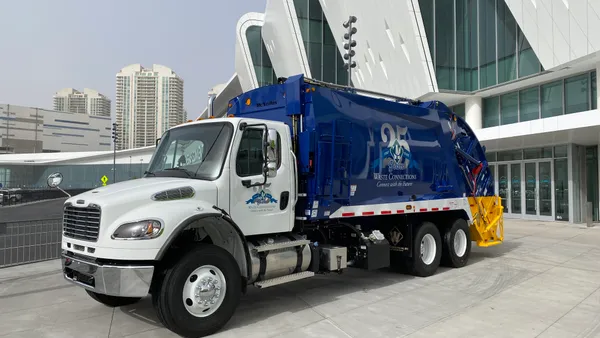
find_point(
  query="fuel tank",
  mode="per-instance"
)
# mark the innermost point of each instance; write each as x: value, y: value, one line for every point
x: 278, y: 262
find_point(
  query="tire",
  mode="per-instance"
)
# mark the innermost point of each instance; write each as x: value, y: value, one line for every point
x: 426, y: 265
x: 112, y: 301
x: 457, y: 244
x: 185, y: 316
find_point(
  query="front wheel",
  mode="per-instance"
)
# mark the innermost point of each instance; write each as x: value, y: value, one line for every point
x: 200, y: 293
x: 112, y: 301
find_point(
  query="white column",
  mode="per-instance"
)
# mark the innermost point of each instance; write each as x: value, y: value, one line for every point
x: 597, y: 82
x: 473, y: 112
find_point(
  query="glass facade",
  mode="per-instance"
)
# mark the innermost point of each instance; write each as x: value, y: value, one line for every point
x: 566, y: 96
x: 491, y: 111
x: 265, y: 74
x: 475, y: 44
x: 74, y: 176
x: 325, y: 60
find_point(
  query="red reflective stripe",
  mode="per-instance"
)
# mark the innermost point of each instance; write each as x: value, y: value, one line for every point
x: 368, y: 213
x: 386, y: 212
x: 347, y: 214
x: 435, y: 209
x: 446, y: 208
x: 423, y: 209
x: 400, y: 211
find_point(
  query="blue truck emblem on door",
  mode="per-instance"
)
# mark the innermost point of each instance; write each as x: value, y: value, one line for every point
x: 261, y: 197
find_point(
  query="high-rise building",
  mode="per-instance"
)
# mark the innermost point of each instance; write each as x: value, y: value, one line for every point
x: 97, y: 104
x: 149, y: 101
x: 89, y: 102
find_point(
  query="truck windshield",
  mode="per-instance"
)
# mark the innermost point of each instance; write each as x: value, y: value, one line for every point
x: 195, y: 151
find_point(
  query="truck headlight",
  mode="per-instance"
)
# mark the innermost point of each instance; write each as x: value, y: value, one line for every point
x: 146, y: 229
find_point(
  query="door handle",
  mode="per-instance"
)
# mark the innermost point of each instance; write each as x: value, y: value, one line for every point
x: 284, y: 200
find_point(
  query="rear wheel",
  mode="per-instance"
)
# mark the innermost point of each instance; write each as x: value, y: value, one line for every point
x: 457, y: 244
x: 427, y: 250
x: 200, y: 293
x: 112, y: 301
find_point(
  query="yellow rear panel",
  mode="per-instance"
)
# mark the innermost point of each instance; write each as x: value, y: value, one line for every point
x: 488, y: 220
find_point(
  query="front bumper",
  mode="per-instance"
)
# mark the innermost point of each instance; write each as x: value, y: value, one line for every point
x: 113, y: 280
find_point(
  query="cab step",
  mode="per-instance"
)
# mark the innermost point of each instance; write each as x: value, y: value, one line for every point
x: 281, y: 245
x: 284, y: 279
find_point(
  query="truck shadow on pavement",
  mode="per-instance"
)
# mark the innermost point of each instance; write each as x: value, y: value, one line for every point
x: 326, y: 295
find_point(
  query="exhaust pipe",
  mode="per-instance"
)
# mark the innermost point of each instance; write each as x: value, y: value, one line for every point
x: 211, y: 101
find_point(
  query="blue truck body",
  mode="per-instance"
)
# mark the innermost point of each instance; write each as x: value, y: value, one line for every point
x: 355, y: 149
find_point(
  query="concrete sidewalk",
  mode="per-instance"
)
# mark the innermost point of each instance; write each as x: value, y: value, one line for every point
x: 544, y: 281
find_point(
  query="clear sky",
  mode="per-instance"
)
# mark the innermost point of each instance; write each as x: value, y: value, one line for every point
x: 46, y: 45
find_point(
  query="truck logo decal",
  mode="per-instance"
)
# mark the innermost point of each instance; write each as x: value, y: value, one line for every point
x: 394, y: 156
x: 261, y: 197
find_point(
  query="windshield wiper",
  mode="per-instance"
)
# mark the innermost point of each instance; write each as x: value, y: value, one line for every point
x: 149, y: 173
x: 188, y: 172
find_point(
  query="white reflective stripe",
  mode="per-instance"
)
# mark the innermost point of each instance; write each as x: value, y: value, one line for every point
x: 461, y: 203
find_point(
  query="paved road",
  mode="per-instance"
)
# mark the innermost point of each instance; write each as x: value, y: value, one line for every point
x: 50, y: 209
x: 544, y: 281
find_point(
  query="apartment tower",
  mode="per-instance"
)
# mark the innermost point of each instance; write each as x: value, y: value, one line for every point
x: 89, y: 102
x: 149, y: 101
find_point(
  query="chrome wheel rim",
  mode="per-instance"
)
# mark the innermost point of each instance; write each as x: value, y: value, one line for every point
x: 460, y: 243
x: 204, y: 291
x: 428, y: 249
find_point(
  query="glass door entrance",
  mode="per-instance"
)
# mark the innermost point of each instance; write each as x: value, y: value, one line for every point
x: 538, y: 190
x: 526, y: 189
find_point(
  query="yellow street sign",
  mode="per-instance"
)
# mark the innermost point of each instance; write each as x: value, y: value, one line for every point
x: 104, y: 179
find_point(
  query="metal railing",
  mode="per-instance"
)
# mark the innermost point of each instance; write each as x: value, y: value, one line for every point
x: 29, y: 241
x: 22, y: 196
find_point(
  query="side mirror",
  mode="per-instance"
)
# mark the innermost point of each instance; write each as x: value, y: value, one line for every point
x: 157, y: 140
x: 54, y: 180
x: 272, y: 153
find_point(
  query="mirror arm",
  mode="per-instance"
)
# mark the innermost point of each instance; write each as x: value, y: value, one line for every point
x: 66, y: 193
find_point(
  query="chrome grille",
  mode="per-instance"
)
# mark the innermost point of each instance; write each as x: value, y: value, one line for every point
x: 81, y: 223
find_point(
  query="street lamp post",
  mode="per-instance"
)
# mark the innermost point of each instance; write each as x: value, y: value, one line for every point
x: 115, y: 137
x: 349, y: 45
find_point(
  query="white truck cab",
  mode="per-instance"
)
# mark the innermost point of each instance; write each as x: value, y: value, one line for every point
x: 207, y: 182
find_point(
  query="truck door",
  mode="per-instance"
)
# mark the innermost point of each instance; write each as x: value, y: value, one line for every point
x: 267, y: 208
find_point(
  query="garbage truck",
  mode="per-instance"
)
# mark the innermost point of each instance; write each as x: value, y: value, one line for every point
x: 298, y: 179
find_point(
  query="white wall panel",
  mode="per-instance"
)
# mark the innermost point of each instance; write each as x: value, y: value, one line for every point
x: 391, y: 54
x: 593, y: 24
x: 283, y: 40
x: 559, y: 31
x: 577, y: 36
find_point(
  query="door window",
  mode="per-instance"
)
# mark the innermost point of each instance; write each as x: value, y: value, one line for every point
x: 249, y: 160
